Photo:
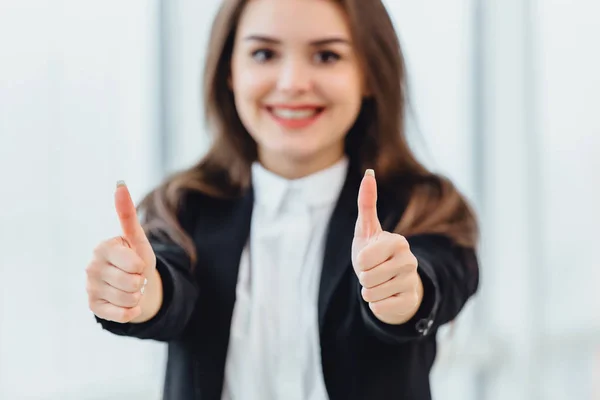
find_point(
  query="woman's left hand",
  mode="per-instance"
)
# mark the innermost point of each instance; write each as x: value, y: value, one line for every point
x: 383, y: 262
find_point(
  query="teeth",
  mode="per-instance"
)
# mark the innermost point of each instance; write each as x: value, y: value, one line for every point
x: 294, y: 114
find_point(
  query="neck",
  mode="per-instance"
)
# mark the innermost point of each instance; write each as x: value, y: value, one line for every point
x: 299, y: 168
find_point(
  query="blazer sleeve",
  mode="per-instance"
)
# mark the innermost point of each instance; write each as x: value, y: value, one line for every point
x: 450, y: 276
x: 180, y: 294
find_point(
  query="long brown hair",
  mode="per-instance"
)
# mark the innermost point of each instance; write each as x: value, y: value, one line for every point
x: 377, y: 140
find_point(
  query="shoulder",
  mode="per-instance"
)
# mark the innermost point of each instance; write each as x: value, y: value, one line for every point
x: 196, y: 206
x: 193, y: 203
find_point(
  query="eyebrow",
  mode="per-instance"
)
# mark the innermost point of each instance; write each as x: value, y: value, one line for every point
x: 319, y: 42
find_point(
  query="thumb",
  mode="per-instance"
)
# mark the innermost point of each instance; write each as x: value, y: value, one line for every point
x: 367, y: 223
x: 130, y: 225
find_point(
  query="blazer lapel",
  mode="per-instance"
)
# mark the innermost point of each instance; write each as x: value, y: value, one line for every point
x: 223, y: 237
x: 222, y: 232
x: 337, y: 259
x: 338, y: 242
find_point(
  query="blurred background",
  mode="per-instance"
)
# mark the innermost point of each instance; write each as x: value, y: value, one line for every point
x: 505, y: 99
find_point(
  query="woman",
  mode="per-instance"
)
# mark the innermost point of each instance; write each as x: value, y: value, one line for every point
x: 273, y: 268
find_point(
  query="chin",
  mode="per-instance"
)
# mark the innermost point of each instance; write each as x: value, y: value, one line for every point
x: 311, y: 155
x: 299, y: 155
x: 299, y: 147
x: 296, y: 146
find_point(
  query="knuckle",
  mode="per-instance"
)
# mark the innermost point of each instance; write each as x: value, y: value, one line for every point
x: 386, y: 235
x: 100, y: 248
x: 122, y: 315
x: 396, y: 266
x: 133, y: 265
x: 136, y: 297
x: 130, y: 299
x: 90, y: 269
x: 139, y: 266
x: 401, y: 242
x: 414, y: 262
x: 363, y: 278
x: 129, y: 314
x: 362, y: 259
x: 128, y: 267
x: 368, y: 279
x: 413, y: 281
x: 93, y: 268
x: 405, y: 268
x: 95, y: 278
x: 135, y: 283
x: 367, y: 294
x: 376, y: 307
x: 91, y: 290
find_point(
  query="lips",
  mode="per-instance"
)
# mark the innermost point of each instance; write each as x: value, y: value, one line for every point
x: 295, y: 117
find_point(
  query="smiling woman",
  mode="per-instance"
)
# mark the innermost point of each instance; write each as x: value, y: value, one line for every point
x: 298, y: 91
x: 279, y: 270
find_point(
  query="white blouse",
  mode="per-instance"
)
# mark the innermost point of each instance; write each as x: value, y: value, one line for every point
x: 274, y: 350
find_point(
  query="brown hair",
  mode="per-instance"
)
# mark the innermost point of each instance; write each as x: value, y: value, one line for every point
x: 377, y: 140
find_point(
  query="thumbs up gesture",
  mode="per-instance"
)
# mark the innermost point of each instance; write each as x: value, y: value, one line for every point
x: 121, y: 268
x: 383, y: 262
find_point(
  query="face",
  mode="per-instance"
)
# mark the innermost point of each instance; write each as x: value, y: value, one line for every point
x: 296, y: 82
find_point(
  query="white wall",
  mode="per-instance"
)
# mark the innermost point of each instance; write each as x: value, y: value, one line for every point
x: 568, y: 86
x: 540, y: 201
x: 187, y: 27
x: 437, y: 41
x: 77, y: 112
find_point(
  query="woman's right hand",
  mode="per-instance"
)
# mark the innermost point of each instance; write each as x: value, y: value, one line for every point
x: 122, y: 282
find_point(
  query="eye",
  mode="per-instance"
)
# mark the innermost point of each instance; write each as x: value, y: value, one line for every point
x: 262, y: 55
x: 326, y: 57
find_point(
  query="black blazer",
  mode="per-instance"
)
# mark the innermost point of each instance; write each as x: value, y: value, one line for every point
x: 362, y: 357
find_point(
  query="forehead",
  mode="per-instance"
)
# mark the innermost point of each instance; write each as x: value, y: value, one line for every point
x: 294, y: 19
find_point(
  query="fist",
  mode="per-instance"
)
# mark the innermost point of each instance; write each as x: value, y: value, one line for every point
x: 117, y: 274
x: 383, y: 262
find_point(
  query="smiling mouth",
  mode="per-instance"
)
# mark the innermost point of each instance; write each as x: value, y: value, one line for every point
x: 296, y: 117
x: 300, y: 113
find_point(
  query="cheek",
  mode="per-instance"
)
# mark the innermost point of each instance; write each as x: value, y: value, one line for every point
x: 249, y: 89
x: 250, y: 85
x: 345, y: 93
x: 346, y: 85
x: 246, y: 93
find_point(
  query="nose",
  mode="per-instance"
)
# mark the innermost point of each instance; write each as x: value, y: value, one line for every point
x: 294, y: 77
